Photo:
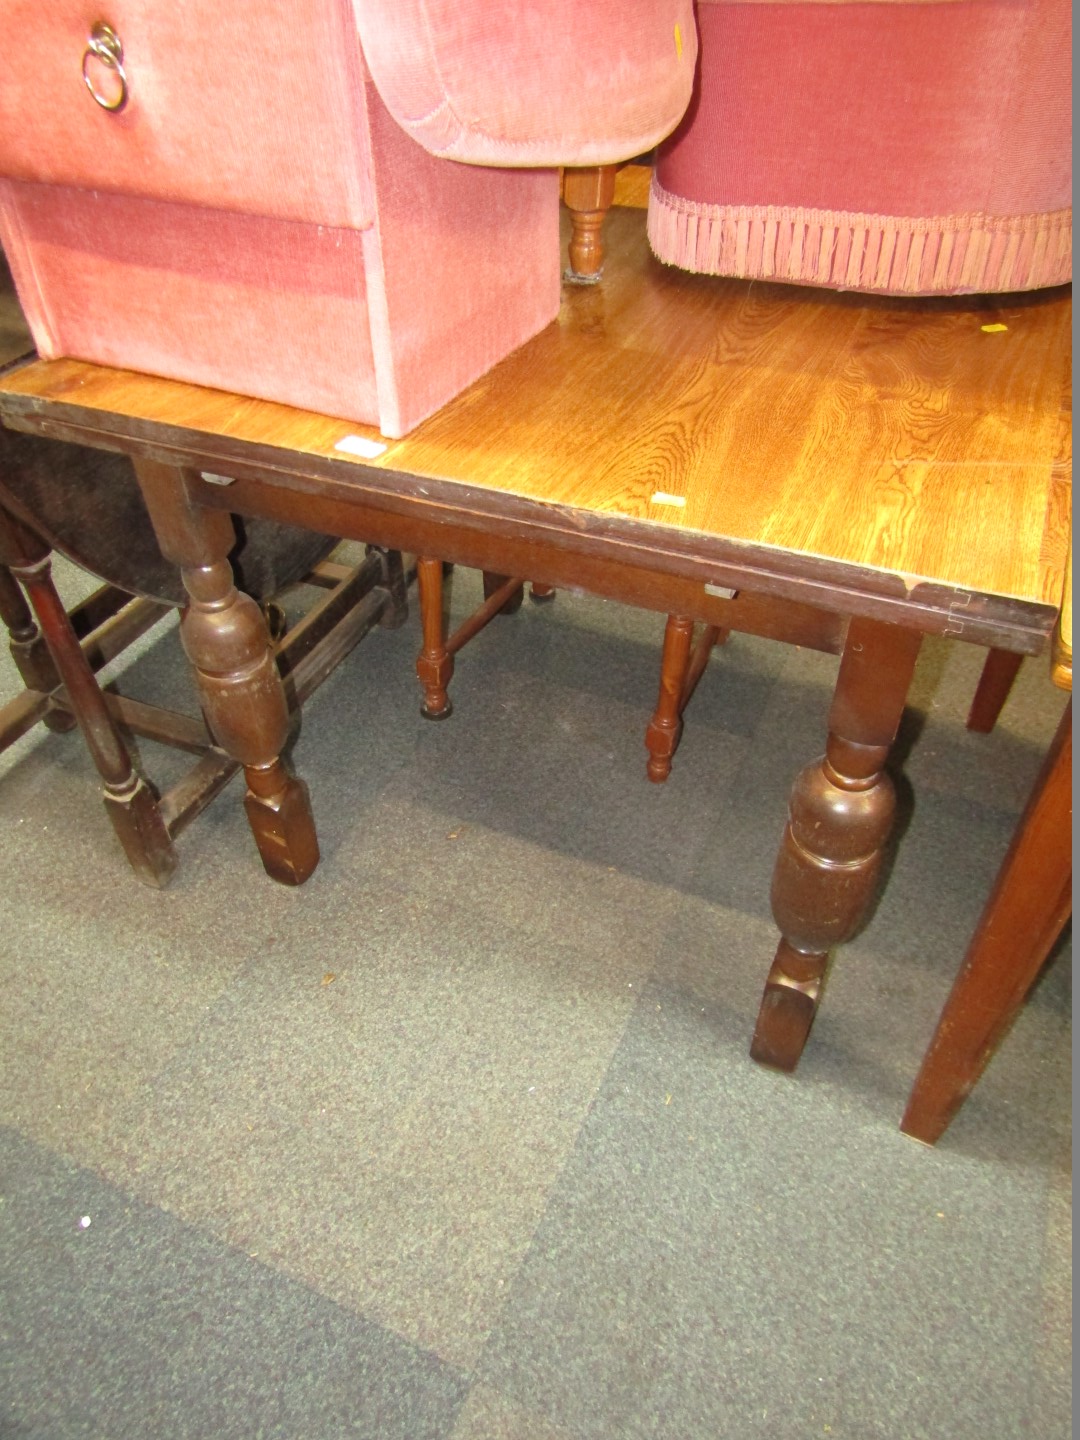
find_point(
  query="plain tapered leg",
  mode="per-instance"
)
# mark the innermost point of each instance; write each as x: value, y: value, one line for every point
x: 129, y: 802
x: 1028, y: 906
x: 841, y: 812
x: 226, y: 639
x: 1000, y: 669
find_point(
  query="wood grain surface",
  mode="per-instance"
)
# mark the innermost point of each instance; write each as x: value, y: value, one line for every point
x: 901, y: 437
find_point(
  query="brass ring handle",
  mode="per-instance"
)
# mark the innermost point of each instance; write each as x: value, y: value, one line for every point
x: 104, y: 46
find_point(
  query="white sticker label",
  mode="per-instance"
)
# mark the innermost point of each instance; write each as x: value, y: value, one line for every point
x: 661, y: 497
x: 360, y: 446
x: 722, y: 592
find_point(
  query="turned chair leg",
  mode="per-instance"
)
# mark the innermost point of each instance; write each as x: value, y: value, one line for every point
x: 434, y: 664
x: 841, y: 813
x: 130, y: 804
x: 503, y: 595
x: 588, y: 194
x: 681, y: 666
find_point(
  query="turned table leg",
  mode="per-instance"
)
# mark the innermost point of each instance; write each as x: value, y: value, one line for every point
x: 225, y: 637
x: 129, y: 802
x: 1027, y: 909
x: 588, y: 194
x: 841, y: 812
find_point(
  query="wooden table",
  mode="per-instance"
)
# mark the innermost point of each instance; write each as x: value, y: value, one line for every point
x: 859, y: 472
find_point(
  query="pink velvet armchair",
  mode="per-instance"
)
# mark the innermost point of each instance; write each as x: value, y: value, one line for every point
x: 270, y: 199
x: 903, y: 147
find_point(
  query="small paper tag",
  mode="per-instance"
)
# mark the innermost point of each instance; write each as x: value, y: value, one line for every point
x: 722, y: 592
x: 212, y: 479
x: 361, y: 447
x: 661, y: 497
x: 995, y: 329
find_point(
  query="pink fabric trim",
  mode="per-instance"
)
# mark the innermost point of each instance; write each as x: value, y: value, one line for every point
x: 893, y: 254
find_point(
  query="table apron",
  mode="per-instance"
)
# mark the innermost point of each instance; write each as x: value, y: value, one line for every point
x: 609, y: 555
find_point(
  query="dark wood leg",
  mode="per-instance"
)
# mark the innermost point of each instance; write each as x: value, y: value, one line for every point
x: 995, y: 682
x: 665, y: 727
x: 588, y: 194
x: 130, y: 803
x: 225, y: 638
x: 493, y: 583
x: 26, y: 642
x: 1027, y: 909
x: 435, y: 664
x: 396, y: 586
x: 842, y: 809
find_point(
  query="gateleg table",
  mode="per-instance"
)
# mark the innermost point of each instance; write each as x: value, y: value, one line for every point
x: 837, y: 471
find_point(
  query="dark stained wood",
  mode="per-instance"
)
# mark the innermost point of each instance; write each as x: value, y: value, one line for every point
x: 632, y: 576
x: 996, y: 681
x: 842, y: 809
x: 130, y: 803
x: 706, y: 643
x: 226, y: 639
x: 515, y: 592
x: 28, y: 648
x: 86, y: 504
x: 1027, y: 909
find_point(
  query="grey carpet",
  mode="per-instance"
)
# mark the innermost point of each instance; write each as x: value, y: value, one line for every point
x: 462, y: 1138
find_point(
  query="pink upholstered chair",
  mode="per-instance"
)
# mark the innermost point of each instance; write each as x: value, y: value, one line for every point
x: 910, y: 147
x: 907, y: 147
x: 265, y: 198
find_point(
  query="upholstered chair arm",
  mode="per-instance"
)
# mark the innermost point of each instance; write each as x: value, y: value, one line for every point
x: 532, y: 82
